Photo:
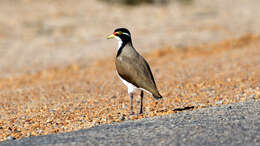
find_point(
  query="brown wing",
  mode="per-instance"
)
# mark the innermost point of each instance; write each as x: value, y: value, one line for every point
x: 136, y: 71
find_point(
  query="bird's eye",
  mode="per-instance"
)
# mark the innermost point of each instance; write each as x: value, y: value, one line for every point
x: 119, y: 32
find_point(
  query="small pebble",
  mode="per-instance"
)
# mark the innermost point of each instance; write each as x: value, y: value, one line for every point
x: 40, y: 132
x: 52, y: 111
x: 252, y: 96
x: 28, y: 134
x: 113, y: 97
x: 63, y: 88
x: 124, y: 106
x: 239, y: 96
x: 122, y: 117
x: 82, y: 121
x: 10, y: 138
x: 219, y: 102
x: 194, y: 95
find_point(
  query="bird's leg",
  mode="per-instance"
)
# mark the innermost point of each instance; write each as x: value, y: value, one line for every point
x: 141, y: 104
x: 131, y: 103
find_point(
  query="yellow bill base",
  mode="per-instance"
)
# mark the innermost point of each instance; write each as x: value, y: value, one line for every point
x: 111, y: 36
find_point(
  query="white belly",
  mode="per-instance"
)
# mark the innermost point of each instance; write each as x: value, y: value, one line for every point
x: 131, y: 87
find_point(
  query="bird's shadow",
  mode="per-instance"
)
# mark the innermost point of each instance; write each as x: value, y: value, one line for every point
x: 184, y: 109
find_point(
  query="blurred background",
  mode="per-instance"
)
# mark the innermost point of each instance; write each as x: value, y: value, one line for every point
x: 36, y: 34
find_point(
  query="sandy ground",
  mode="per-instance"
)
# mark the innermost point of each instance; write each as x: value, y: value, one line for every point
x: 61, y: 100
x: 57, y: 73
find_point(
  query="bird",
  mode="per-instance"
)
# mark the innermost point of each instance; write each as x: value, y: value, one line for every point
x: 132, y: 68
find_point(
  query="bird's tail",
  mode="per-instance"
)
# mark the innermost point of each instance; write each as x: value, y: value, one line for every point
x: 157, y: 97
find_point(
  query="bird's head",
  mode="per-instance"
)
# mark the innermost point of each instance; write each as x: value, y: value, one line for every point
x: 122, y: 35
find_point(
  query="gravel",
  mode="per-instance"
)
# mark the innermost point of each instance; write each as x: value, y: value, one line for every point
x: 234, y: 124
x: 36, y: 103
x: 52, y: 33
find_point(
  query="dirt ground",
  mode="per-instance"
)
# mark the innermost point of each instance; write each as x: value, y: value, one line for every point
x: 49, y: 85
x: 61, y: 100
x: 37, y: 34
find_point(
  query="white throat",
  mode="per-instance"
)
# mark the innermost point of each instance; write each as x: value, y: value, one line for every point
x: 119, y: 42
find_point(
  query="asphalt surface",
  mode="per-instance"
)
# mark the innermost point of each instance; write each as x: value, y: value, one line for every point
x: 234, y: 124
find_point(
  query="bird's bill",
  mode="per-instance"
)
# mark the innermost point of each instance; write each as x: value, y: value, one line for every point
x: 111, y: 36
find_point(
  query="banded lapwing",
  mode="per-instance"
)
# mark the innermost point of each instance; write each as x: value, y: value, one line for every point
x: 132, y: 68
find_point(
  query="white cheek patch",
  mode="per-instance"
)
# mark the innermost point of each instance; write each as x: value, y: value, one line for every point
x: 119, y: 41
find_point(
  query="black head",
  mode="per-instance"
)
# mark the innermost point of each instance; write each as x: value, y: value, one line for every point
x: 122, y: 34
x: 123, y: 31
